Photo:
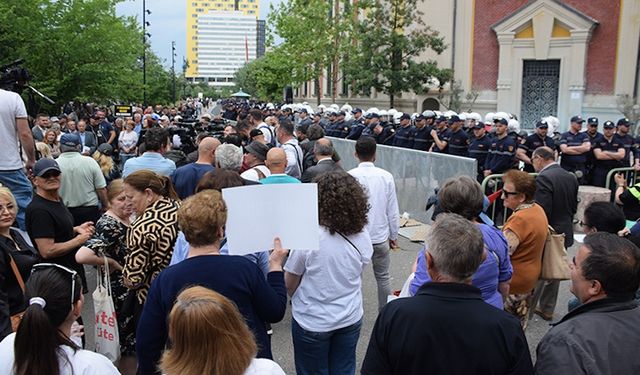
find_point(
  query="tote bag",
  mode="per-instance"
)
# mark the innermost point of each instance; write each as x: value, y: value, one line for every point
x: 555, y: 265
x: 106, y: 329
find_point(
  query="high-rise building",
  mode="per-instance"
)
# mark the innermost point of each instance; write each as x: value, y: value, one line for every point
x: 261, y: 35
x: 222, y: 35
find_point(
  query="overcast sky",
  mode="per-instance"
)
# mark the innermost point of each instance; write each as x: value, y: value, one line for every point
x: 168, y: 23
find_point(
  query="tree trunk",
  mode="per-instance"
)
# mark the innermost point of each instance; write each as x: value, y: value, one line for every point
x: 392, y: 98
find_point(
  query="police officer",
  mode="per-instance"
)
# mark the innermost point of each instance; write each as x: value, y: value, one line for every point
x: 384, y: 133
x: 373, y: 119
x: 458, y: 140
x: 574, y: 146
x: 479, y: 147
x: 405, y: 133
x: 357, y: 124
x: 594, y: 137
x: 503, y: 150
x: 440, y: 135
x: 340, y: 127
x: 330, y: 127
x: 627, y: 140
x: 422, y: 139
x: 609, y: 152
x: 535, y: 140
x: 303, y: 118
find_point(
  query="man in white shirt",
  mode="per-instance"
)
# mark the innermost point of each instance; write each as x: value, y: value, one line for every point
x: 289, y: 144
x: 383, y: 213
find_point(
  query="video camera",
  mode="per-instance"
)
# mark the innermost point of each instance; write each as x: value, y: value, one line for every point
x: 13, y: 77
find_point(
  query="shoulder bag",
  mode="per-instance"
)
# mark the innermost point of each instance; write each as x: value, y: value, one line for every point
x: 555, y: 265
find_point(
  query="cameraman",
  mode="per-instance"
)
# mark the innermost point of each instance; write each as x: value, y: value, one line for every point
x: 14, y: 131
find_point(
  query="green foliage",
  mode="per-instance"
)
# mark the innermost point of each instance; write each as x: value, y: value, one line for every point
x: 78, y: 49
x: 266, y: 77
x: 391, y: 35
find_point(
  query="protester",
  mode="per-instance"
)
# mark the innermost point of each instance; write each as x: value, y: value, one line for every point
x: 16, y: 254
x: 277, y: 164
x: 463, y: 196
x: 202, y: 218
x: 42, y: 344
x: 383, y: 216
x: 327, y: 306
x: 323, y: 152
x: 447, y: 328
x: 224, y: 344
x: 287, y: 141
x: 109, y: 240
x: 526, y: 232
x: 254, y: 158
x: 186, y: 178
x: 602, y: 335
x: 155, y: 144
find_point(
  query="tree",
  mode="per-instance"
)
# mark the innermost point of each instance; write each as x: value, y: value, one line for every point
x: 76, y: 49
x: 391, y: 36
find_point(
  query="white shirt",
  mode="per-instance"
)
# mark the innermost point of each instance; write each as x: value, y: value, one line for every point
x: 82, y: 362
x: 252, y: 175
x: 128, y: 139
x: 11, y: 108
x: 266, y: 130
x: 294, y: 158
x: 384, y: 218
x: 329, y: 296
x: 263, y: 366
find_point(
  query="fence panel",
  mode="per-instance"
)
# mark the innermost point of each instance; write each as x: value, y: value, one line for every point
x: 416, y: 173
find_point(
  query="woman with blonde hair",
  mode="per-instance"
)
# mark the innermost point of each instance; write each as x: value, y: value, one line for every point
x: 209, y: 336
x: 109, y: 169
x: 51, y: 139
x: 44, y: 150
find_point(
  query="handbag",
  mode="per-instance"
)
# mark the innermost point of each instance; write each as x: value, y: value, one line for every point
x: 555, y: 265
x: 107, y: 337
x: 16, y: 318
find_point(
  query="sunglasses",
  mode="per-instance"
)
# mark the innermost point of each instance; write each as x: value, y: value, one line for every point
x: 74, y: 274
x: 507, y: 193
x: 50, y: 174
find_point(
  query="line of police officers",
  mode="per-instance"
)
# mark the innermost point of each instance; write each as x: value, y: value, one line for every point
x: 589, y: 154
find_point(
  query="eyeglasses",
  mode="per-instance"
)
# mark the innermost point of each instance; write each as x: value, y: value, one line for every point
x: 507, y: 193
x: 74, y: 274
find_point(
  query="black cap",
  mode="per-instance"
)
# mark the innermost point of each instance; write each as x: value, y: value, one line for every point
x: 105, y: 149
x: 542, y: 124
x: 478, y: 125
x: 341, y: 113
x: 441, y: 118
x: 45, y: 165
x: 624, y: 121
x: 372, y: 115
x: 501, y: 120
x: 592, y: 121
x: 453, y: 119
x: 405, y: 116
x: 420, y: 117
x: 303, y: 110
x: 356, y: 110
x: 608, y: 125
x: 578, y: 119
x: 255, y: 133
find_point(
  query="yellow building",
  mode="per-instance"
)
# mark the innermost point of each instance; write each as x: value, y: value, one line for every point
x: 236, y: 11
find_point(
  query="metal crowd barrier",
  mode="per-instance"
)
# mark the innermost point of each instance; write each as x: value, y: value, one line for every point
x: 630, y: 174
x: 416, y: 173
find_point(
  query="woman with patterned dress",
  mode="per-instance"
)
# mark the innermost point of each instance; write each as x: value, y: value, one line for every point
x: 151, y: 237
x: 109, y: 241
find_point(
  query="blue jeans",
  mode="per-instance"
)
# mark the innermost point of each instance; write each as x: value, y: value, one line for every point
x: 321, y: 353
x: 21, y: 188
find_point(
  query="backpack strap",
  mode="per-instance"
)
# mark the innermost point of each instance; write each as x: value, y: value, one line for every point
x: 350, y: 243
x: 298, y: 156
x: 259, y: 172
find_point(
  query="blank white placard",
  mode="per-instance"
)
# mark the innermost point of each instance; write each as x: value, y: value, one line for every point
x: 259, y: 213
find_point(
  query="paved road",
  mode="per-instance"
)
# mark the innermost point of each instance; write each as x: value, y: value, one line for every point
x: 401, y: 262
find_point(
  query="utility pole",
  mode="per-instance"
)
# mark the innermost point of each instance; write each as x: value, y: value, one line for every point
x: 145, y: 11
x: 173, y: 70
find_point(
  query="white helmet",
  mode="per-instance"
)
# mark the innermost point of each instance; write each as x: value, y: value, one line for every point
x: 373, y: 110
x: 448, y: 114
x: 346, y: 107
x: 396, y: 117
x: 308, y: 108
x: 503, y: 115
x: 429, y: 114
x: 383, y: 112
x: 305, y: 103
x: 270, y: 106
x: 488, y: 118
x: 553, y: 122
x: 476, y: 116
x: 335, y: 107
x: 514, y: 126
x: 463, y: 116
x: 393, y: 111
x: 438, y: 113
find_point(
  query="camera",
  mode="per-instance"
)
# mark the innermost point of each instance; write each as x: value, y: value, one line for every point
x: 13, y: 77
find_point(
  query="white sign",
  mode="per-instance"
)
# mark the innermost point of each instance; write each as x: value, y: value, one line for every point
x: 259, y: 213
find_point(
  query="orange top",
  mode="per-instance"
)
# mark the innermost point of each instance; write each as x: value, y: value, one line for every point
x: 530, y: 225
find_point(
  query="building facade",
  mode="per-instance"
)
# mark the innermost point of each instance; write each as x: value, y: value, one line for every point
x: 530, y: 57
x: 222, y: 36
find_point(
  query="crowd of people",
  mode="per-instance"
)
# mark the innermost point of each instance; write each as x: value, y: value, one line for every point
x: 183, y: 305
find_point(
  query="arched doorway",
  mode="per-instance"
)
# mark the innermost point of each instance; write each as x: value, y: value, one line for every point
x: 430, y: 104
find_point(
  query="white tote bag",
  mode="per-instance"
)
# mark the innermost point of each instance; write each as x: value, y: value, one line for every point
x: 106, y: 329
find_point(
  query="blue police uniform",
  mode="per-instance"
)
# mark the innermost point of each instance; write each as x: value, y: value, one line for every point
x: 479, y: 150
x: 458, y: 143
x: 501, y: 155
x: 404, y: 136
x: 591, y: 159
x: 355, y: 131
x: 422, y: 139
x: 602, y: 167
x: 340, y: 129
x: 574, y: 163
x: 629, y: 146
x: 445, y: 136
x: 531, y: 143
x: 387, y: 135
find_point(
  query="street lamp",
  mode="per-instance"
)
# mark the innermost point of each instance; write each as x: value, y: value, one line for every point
x: 145, y: 35
x: 173, y: 70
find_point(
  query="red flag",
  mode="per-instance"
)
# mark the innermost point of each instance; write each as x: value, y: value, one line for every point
x: 246, y: 48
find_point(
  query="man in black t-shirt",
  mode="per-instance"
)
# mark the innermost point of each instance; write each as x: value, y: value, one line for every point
x: 50, y: 224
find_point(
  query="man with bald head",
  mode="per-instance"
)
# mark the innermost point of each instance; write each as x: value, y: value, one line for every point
x: 557, y: 194
x: 277, y: 164
x: 186, y: 178
x: 323, y: 151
